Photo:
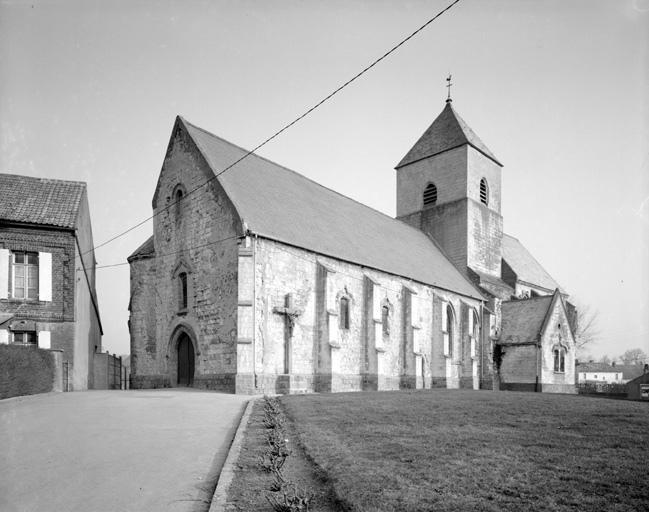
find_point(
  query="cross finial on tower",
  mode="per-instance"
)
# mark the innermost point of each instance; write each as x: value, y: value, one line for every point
x: 448, y: 85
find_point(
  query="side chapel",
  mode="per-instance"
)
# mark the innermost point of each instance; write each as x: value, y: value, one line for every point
x: 259, y: 280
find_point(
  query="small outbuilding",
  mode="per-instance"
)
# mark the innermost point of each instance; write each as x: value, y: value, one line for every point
x: 638, y: 388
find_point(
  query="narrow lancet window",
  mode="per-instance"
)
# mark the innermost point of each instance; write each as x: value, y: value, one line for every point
x: 182, y: 290
x: 344, y: 313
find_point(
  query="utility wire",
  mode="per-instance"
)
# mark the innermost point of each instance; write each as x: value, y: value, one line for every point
x: 404, y: 41
x: 156, y: 256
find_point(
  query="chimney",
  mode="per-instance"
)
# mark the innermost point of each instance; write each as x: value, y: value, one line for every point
x: 646, y: 368
x: 613, y: 364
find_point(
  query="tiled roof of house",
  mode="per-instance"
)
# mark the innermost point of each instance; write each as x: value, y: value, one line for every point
x: 285, y: 206
x: 40, y: 201
x: 598, y: 367
x: 448, y: 131
x: 630, y: 371
x: 523, y: 320
x: 526, y: 267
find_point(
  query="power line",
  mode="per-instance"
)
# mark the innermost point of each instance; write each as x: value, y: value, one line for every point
x: 385, y: 55
x: 172, y: 253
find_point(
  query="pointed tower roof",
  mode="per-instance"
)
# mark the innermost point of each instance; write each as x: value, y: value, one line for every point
x: 448, y: 131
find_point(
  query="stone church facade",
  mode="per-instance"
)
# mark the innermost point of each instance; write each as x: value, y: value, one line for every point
x: 258, y: 280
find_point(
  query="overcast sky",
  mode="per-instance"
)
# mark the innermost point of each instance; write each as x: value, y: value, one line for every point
x: 557, y: 90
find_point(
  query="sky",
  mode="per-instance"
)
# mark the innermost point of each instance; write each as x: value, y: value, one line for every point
x: 557, y: 90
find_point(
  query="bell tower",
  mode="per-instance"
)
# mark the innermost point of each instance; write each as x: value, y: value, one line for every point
x: 448, y: 186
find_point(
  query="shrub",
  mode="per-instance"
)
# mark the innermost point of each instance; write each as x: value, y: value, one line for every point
x: 25, y: 371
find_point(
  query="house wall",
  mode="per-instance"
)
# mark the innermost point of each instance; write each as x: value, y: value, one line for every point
x: 326, y: 357
x: 59, y: 317
x: 87, y: 330
x: 198, y: 234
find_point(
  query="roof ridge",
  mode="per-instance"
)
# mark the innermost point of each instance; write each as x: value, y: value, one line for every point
x: 294, y: 172
x: 46, y: 180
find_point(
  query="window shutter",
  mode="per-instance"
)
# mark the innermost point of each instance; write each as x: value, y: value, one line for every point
x: 44, y: 340
x: 45, y: 276
x: 4, y: 273
x: 4, y: 337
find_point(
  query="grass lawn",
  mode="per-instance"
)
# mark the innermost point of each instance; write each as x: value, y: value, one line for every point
x: 456, y: 450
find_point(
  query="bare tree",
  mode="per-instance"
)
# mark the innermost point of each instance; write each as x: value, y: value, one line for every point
x: 634, y: 356
x: 605, y: 359
x: 588, y: 330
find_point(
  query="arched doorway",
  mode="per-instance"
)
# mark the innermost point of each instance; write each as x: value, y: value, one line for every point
x: 185, y: 361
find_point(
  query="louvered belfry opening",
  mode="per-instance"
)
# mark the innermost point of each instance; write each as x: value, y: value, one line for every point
x: 430, y: 195
x: 484, y: 192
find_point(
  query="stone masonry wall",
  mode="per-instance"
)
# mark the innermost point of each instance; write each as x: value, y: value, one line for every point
x: 198, y: 235
x: 446, y: 170
x: 349, y: 361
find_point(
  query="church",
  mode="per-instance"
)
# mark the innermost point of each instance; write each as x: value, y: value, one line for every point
x: 260, y: 280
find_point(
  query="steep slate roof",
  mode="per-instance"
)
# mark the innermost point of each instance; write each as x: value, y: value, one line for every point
x: 282, y: 205
x: 448, y: 131
x: 523, y: 320
x: 40, y: 201
x: 526, y: 267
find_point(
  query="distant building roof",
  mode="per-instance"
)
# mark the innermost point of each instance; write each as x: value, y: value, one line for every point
x: 282, y: 205
x: 598, y: 367
x: 630, y: 371
x: 448, y: 131
x: 527, y: 269
x: 40, y: 201
x: 523, y: 320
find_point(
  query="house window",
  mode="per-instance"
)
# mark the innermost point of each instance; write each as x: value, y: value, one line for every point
x: 344, y: 313
x: 25, y: 275
x: 182, y: 290
x: 484, y: 191
x: 385, y: 320
x: 560, y: 360
x: 430, y: 195
x: 25, y: 338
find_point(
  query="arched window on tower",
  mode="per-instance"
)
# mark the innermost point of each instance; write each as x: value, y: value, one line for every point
x: 430, y: 195
x: 484, y: 191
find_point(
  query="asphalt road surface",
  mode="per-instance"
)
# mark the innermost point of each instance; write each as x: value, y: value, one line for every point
x: 136, y: 450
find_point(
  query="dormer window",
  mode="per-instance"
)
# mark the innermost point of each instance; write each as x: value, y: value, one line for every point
x: 484, y: 191
x: 430, y: 195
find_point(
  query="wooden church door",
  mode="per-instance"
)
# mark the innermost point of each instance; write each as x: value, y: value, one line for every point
x: 185, y: 361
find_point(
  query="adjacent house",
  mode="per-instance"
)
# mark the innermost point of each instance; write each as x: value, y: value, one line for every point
x: 599, y: 373
x: 47, y: 272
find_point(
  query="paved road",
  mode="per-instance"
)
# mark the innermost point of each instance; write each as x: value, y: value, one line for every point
x: 138, y: 450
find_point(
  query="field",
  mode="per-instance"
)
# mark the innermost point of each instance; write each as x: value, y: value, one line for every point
x: 455, y: 450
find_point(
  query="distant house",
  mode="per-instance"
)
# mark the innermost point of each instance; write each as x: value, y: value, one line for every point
x: 599, y: 373
x: 47, y: 272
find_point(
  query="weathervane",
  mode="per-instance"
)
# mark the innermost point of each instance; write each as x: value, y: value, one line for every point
x: 448, y: 85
